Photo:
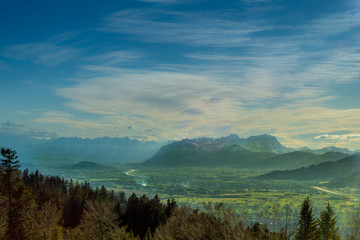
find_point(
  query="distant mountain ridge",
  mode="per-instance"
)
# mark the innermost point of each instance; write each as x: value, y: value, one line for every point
x: 262, y: 151
x: 224, y: 151
x: 299, y: 159
x: 70, y: 150
x: 326, y: 149
x: 323, y: 171
x: 100, y: 150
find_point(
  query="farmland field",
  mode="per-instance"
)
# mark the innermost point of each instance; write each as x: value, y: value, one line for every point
x: 251, y: 198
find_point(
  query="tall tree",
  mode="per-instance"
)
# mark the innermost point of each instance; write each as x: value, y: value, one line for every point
x: 327, y: 224
x: 307, y: 223
x: 10, y: 165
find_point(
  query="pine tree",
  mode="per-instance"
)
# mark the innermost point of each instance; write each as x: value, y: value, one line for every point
x: 10, y: 166
x: 327, y: 224
x: 307, y: 223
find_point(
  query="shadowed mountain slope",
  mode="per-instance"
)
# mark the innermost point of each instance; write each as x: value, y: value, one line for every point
x: 299, y: 159
x: 323, y: 171
x: 226, y: 151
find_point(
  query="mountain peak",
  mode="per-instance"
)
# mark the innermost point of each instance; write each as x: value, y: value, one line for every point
x: 263, y: 143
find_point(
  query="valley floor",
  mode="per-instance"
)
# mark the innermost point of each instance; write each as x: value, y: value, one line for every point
x: 251, y: 198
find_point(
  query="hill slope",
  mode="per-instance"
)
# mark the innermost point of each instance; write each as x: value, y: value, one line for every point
x: 87, y: 165
x: 323, y: 171
x: 299, y: 159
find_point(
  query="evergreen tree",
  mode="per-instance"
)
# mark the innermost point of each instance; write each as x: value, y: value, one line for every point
x: 307, y: 223
x: 74, y: 207
x: 103, y: 194
x: 10, y: 166
x: 327, y: 224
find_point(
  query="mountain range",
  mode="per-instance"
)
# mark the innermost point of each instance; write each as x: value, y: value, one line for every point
x: 213, y: 152
x: 257, y: 152
x: 344, y: 169
x: 67, y: 151
x: 260, y: 152
x: 298, y: 159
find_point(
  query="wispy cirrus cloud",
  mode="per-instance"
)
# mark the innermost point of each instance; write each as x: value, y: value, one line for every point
x: 40, y: 53
x: 182, y: 27
x: 114, y: 57
x: 302, y: 58
x: 305, y: 63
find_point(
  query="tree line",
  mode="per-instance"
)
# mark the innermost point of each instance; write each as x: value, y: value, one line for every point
x: 37, y: 206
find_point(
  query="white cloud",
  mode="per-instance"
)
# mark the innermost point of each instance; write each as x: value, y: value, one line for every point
x: 177, y: 105
x: 338, y: 137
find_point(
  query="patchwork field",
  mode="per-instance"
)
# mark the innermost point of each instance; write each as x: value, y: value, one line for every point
x: 271, y: 202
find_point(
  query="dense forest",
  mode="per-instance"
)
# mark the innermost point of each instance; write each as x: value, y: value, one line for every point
x: 37, y: 206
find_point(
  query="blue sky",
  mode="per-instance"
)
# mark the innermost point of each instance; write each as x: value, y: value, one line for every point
x: 173, y: 69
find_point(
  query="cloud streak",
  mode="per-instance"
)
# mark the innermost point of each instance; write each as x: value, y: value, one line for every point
x: 338, y: 137
x: 114, y: 57
x: 184, y: 28
x: 40, y: 53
